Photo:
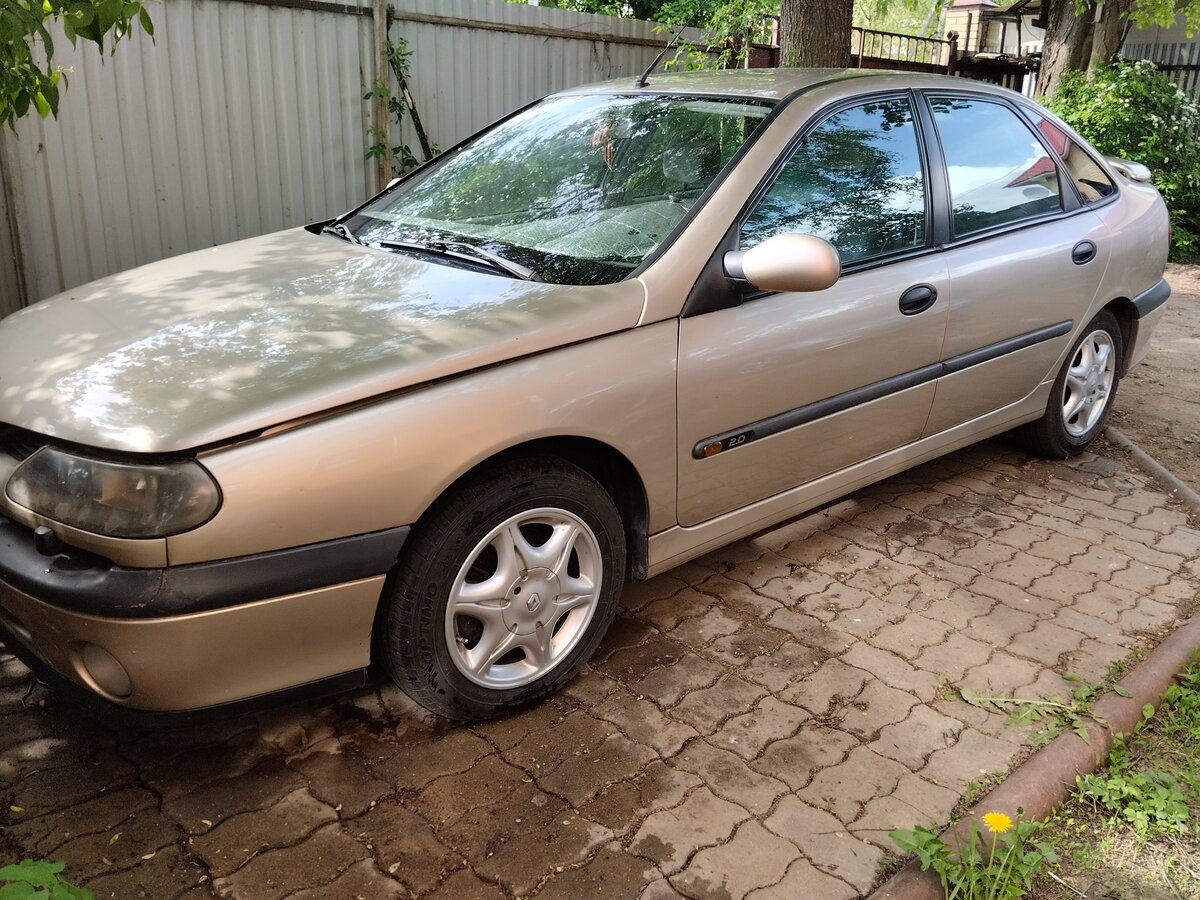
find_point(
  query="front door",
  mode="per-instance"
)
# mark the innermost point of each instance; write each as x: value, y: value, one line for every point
x: 785, y: 388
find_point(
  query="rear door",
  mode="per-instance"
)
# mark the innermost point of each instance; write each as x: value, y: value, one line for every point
x: 1026, y: 255
x: 783, y: 388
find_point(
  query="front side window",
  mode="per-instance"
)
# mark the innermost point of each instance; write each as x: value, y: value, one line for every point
x: 855, y: 181
x: 999, y: 171
x: 580, y: 188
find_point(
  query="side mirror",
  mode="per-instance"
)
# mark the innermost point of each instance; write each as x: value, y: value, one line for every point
x: 786, y: 262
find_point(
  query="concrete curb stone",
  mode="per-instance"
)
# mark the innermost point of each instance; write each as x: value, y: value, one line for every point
x: 1173, y: 484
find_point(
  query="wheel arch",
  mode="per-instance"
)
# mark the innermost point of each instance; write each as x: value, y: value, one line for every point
x: 602, y: 461
x: 611, y: 468
x: 1123, y: 309
x: 616, y: 474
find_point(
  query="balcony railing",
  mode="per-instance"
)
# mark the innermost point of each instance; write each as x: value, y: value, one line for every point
x: 869, y: 47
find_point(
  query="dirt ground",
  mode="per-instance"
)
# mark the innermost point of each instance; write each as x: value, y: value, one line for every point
x: 1159, y: 402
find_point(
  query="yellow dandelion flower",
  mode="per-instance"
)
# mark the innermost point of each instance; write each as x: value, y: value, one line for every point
x: 997, y: 822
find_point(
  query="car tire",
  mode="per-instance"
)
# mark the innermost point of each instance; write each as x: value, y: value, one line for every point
x: 1083, y: 392
x: 504, y: 589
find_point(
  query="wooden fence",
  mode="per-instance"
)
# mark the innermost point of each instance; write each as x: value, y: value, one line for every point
x: 871, y: 49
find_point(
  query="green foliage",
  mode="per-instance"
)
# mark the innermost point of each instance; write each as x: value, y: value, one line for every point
x: 1182, y: 702
x: 741, y: 21
x: 919, y: 17
x: 1148, y: 13
x: 1053, y: 716
x: 1151, y: 801
x: 698, y: 13
x: 635, y: 9
x: 1134, y: 111
x: 1000, y: 865
x: 32, y: 880
x: 28, y: 77
x: 403, y: 158
x: 1151, y: 783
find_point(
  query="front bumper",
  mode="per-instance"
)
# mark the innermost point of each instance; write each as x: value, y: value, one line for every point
x: 196, y: 636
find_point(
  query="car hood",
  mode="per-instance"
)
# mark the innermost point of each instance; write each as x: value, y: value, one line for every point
x: 210, y: 345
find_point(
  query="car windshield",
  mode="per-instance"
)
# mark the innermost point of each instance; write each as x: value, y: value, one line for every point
x: 578, y: 188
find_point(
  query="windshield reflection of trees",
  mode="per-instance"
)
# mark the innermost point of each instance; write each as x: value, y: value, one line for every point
x: 855, y: 182
x: 580, y: 188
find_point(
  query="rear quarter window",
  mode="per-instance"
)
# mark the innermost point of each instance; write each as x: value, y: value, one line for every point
x: 1090, y: 180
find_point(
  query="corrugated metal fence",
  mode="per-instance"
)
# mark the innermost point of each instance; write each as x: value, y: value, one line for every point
x: 1179, y: 59
x: 246, y: 116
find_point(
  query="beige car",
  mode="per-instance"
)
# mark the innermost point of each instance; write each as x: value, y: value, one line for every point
x: 620, y: 328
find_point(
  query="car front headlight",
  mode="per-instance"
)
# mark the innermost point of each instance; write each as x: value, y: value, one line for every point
x: 117, y: 499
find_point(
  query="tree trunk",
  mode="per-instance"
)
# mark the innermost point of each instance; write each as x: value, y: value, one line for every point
x: 815, y: 32
x: 1109, y: 33
x: 1068, y: 44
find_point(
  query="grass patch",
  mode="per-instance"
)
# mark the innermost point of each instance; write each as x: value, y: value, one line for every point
x: 1132, y: 830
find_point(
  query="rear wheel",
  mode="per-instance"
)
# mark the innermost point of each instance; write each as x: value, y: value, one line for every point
x: 1083, y: 392
x: 505, y: 589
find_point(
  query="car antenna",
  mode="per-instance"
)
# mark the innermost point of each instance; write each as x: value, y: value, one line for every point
x: 644, y: 78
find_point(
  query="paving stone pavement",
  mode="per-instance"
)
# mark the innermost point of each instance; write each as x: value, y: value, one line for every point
x: 753, y: 726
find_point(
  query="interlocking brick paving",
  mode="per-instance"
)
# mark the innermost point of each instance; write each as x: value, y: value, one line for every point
x: 753, y: 726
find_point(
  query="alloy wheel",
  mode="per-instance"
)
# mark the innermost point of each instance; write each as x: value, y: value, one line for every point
x: 524, y: 597
x: 1089, y: 383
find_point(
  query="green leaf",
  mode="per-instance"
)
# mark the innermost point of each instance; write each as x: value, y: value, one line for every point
x: 1040, y: 738
x: 19, y: 891
x: 144, y: 19
x: 1121, y: 691
x: 43, y: 105
x: 1148, y: 711
x: 37, y: 873
x: 80, y: 15
x: 974, y: 697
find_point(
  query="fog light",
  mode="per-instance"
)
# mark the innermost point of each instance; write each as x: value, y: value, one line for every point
x: 108, y: 674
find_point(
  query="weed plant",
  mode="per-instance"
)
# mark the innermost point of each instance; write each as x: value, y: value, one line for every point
x: 1132, y: 830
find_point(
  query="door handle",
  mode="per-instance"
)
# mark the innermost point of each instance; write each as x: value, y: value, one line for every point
x: 917, y: 299
x: 1083, y: 252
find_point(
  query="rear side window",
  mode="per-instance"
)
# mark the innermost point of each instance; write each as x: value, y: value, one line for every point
x: 855, y: 181
x: 1089, y: 178
x: 999, y: 171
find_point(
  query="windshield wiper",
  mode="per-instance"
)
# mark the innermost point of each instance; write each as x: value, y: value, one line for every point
x: 340, y: 230
x: 463, y: 250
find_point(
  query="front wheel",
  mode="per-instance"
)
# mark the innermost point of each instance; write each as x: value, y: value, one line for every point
x: 505, y: 589
x: 1083, y: 392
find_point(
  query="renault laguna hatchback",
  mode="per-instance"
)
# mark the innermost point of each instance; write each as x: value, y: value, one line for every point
x: 621, y: 327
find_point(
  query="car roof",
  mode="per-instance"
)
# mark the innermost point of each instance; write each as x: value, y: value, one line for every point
x: 778, y: 84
